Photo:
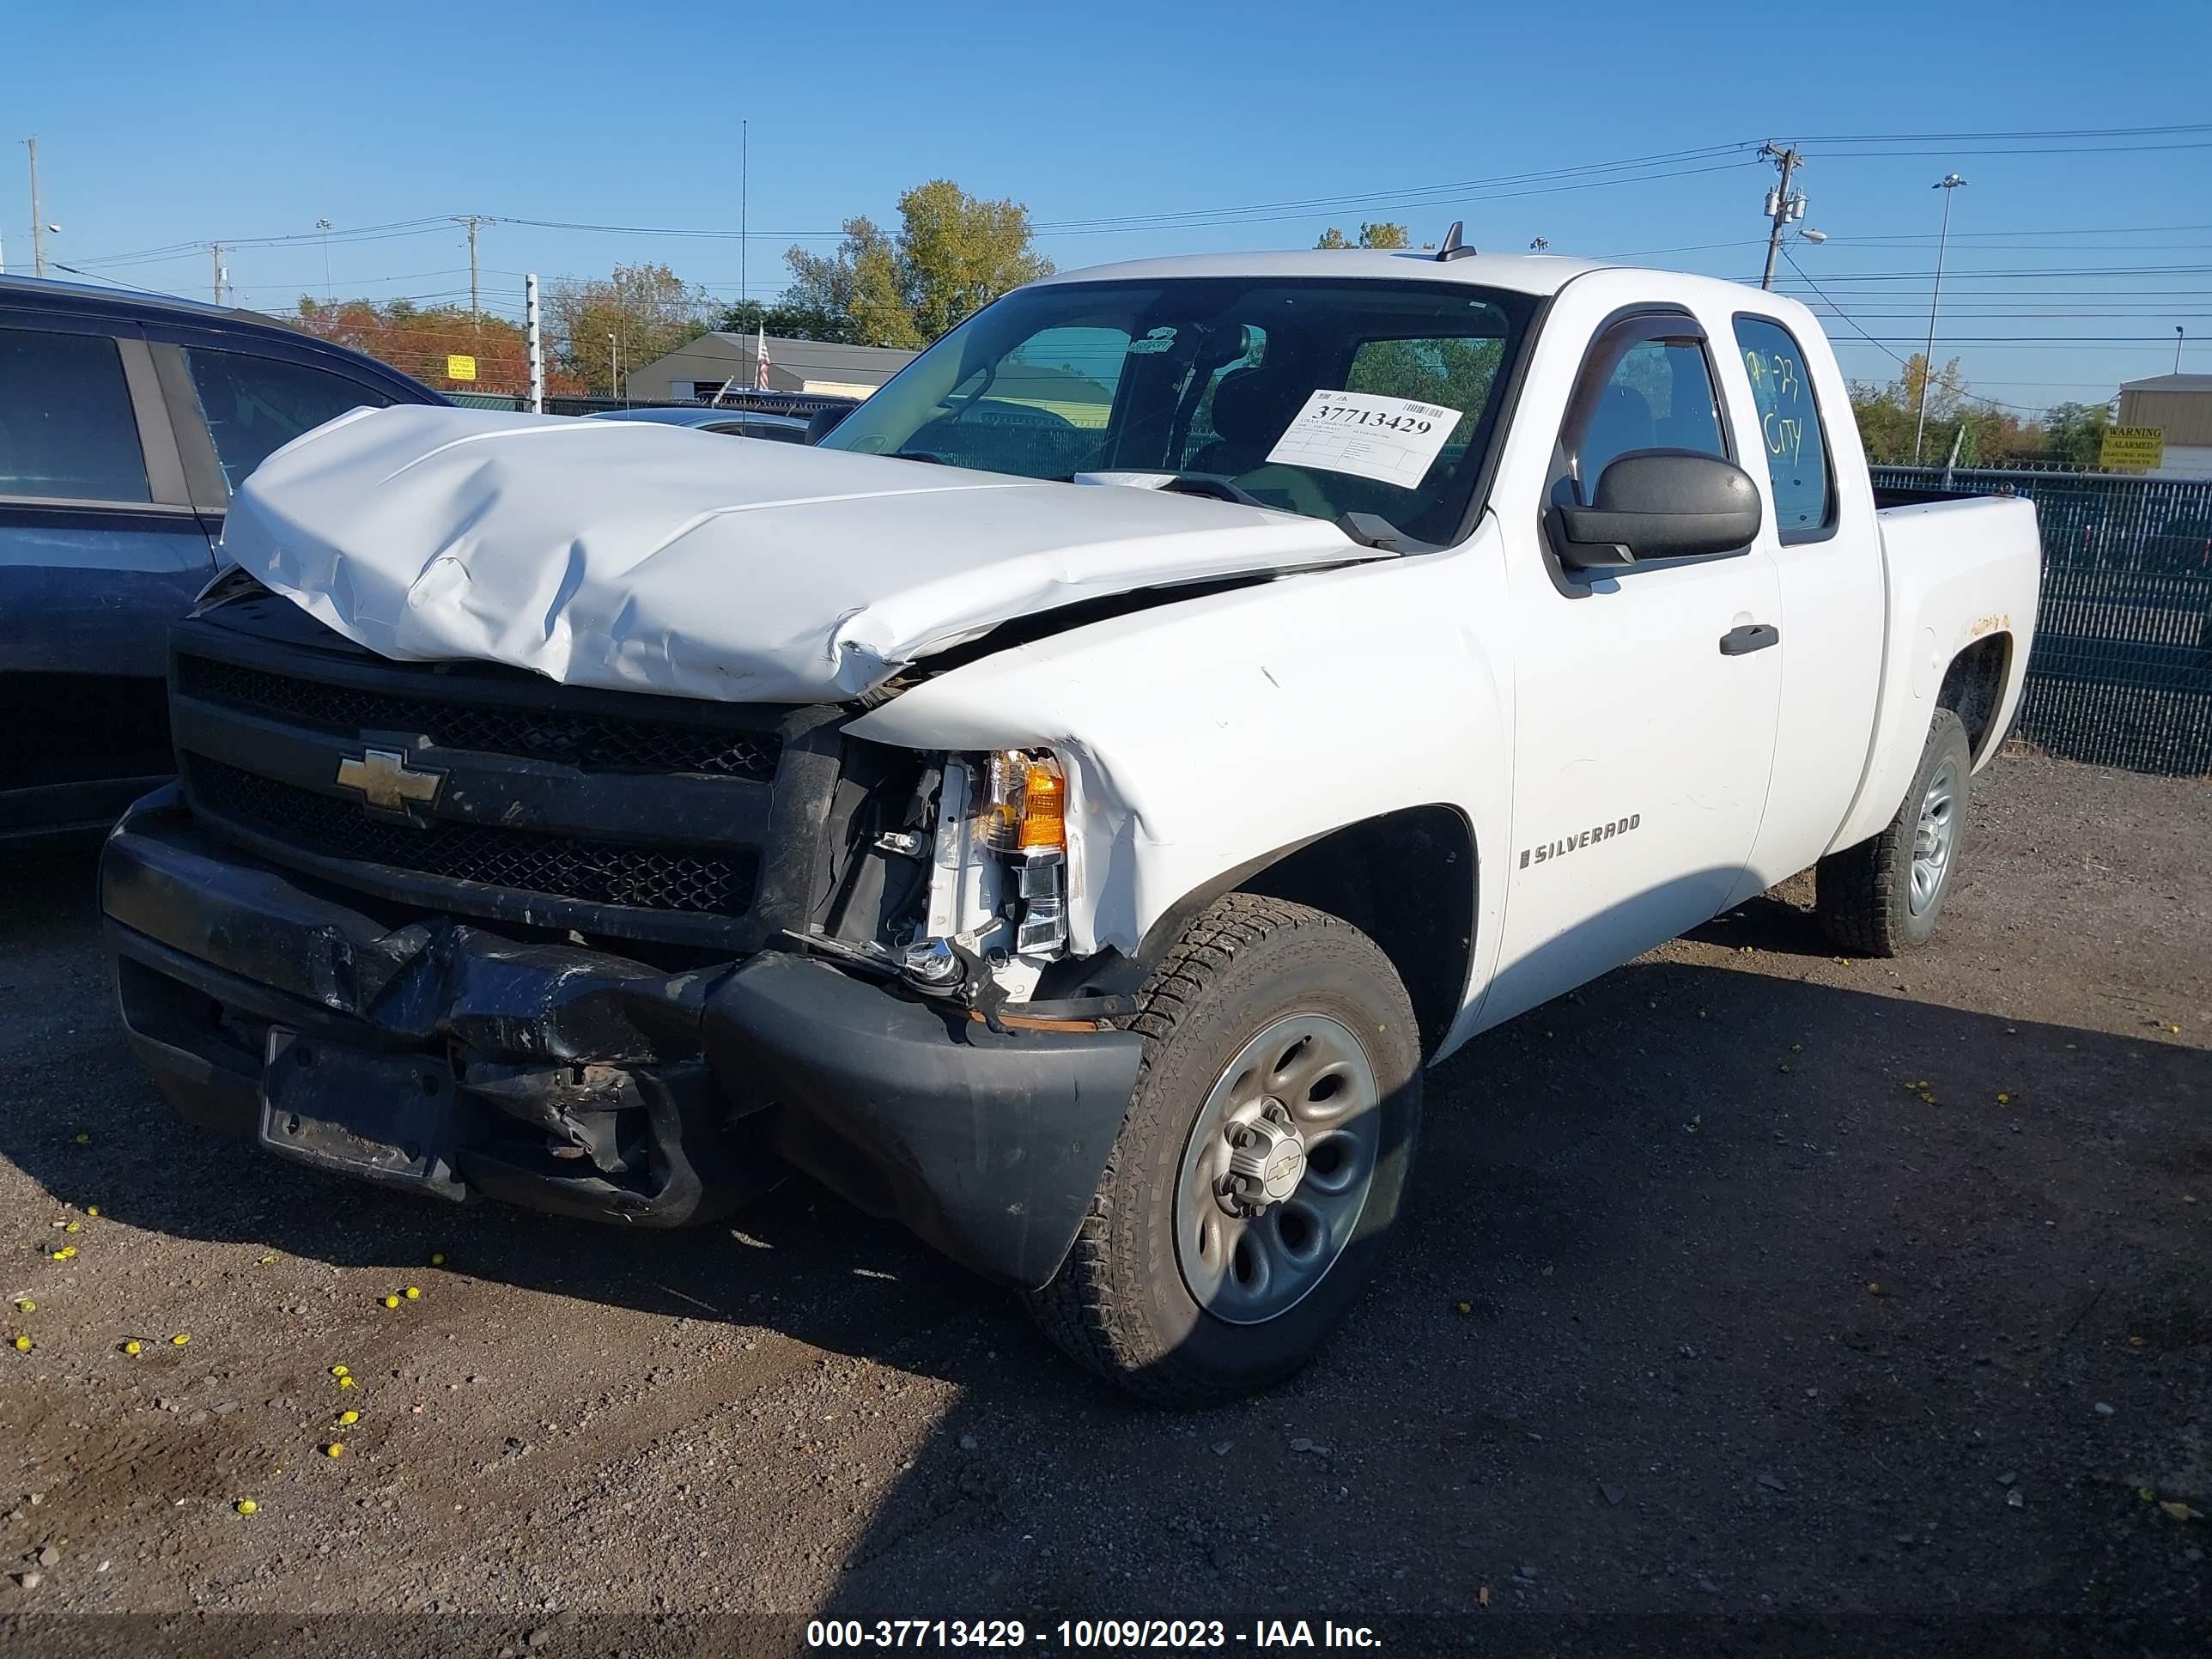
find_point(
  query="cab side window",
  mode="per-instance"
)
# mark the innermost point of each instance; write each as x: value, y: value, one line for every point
x: 1789, y: 429
x: 1647, y: 385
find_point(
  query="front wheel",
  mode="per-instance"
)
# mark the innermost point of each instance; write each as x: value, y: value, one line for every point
x: 1885, y: 895
x: 1256, y: 1177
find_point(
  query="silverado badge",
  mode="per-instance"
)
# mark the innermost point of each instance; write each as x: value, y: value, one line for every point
x: 387, y: 783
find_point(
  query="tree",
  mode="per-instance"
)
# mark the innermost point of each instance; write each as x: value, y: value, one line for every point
x: 1981, y: 434
x: 2075, y: 433
x: 786, y: 321
x: 952, y: 255
x: 418, y: 341
x: 649, y: 310
x: 1382, y: 235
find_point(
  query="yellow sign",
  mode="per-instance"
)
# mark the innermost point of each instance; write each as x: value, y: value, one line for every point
x: 459, y: 368
x: 2132, y: 448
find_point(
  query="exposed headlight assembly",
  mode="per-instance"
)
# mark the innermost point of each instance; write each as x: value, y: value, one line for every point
x: 997, y: 889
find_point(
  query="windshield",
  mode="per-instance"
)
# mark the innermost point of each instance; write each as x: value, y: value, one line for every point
x: 1220, y: 380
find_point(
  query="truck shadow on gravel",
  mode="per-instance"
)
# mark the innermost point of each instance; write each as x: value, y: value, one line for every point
x: 1718, y: 1290
x: 1698, y: 1306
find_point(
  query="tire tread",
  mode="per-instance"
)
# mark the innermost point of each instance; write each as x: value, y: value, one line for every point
x: 1087, y: 1309
x: 1858, y: 892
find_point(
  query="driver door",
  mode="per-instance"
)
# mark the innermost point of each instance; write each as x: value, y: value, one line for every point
x: 1643, y: 730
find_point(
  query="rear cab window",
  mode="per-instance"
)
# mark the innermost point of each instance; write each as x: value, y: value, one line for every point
x: 1788, y: 417
x: 67, y: 427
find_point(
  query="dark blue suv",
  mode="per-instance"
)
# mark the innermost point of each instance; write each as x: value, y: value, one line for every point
x: 125, y: 420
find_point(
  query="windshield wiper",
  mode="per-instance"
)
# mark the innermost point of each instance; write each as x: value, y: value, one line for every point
x: 1373, y: 529
x: 1213, y: 484
x: 1368, y: 529
x: 919, y: 455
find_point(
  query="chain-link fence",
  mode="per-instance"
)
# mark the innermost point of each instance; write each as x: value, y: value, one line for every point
x: 2122, y: 669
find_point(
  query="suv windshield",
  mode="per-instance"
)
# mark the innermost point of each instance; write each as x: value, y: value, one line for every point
x: 1215, y: 380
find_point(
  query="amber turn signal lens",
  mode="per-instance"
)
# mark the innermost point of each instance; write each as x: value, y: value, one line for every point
x: 1044, y: 809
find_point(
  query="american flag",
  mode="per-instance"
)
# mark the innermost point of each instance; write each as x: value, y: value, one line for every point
x: 760, y: 359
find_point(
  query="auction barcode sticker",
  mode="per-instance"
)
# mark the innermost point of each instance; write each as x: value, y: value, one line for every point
x: 1394, y: 439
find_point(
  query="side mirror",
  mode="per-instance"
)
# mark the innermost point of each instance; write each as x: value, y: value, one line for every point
x: 823, y: 421
x: 1660, y: 504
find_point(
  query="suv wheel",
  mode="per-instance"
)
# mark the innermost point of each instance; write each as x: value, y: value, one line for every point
x: 1261, y: 1164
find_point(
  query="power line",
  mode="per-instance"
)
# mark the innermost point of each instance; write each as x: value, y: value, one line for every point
x: 2042, y: 133
x: 1190, y: 219
x: 2023, y: 273
x: 1927, y: 369
x: 1586, y: 175
x: 359, y: 234
x: 1948, y: 151
x: 1745, y: 151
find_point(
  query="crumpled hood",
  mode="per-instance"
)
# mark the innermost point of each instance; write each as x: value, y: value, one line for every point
x: 636, y: 557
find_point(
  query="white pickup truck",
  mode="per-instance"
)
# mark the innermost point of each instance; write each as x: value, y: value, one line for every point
x: 1068, y: 806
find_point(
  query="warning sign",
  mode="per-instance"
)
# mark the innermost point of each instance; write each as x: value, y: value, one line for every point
x: 459, y: 367
x: 2132, y: 448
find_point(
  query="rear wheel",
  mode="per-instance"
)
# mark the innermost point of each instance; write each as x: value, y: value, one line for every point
x: 1885, y: 895
x: 1260, y: 1167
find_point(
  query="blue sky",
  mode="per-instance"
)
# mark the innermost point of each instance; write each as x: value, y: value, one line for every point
x: 164, y: 125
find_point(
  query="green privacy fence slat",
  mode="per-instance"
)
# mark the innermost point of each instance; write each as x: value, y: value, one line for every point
x: 2121, y: 674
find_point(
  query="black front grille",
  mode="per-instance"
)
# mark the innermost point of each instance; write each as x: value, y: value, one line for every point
x: 703, y: 882
x: 597, y: 742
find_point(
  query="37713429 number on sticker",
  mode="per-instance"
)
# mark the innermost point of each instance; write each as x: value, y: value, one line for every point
x: 1394, y: 440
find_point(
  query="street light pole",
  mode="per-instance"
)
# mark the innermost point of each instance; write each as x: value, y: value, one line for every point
x: 1947, y: 183
x: 2178, y: 338
x: 325, y: 227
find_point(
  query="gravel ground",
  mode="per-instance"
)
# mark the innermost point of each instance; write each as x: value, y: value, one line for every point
x: 1814, y: 1303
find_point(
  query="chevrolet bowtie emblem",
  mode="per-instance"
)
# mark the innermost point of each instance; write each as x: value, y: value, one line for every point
x: 387, y: 783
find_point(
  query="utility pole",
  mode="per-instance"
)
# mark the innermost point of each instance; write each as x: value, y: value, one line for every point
x: 1538, y: 246
x: 221, y: 276
x: 744, y: 188
x: 537, y: 344
x: 1947, y: 183
x: 472, y: 220
x: 2178, y: 338
x: 1782, y: 207
x: 38, y: 241
x: 325, y: 227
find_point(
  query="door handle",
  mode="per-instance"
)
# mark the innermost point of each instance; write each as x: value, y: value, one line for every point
x: 1752, y: 637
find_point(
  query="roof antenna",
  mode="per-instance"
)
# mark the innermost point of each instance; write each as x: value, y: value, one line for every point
x: 1453, y: 248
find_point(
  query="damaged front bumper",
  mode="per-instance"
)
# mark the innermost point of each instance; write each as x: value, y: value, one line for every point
x: 451, y: 1058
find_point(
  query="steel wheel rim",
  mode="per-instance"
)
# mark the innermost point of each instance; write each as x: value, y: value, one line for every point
x: 1933, y: 837
x: 1245, y: 1269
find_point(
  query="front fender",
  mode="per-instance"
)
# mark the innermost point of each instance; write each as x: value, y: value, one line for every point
x: 1202, y: 734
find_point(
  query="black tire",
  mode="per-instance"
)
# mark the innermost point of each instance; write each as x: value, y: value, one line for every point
x: 1120, y: 1305
x: 1864, y: 894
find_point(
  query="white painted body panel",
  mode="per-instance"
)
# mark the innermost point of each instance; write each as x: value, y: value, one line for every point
x: 1954, y: 572
x: 1204, y: 734
x: 632, y: 556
